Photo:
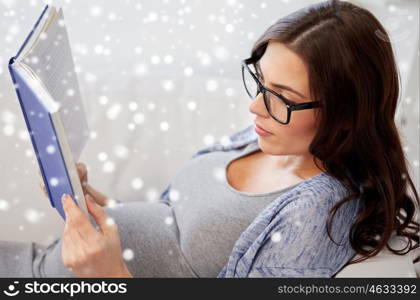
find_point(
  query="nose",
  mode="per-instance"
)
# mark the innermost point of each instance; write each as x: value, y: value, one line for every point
x: 257, y: 106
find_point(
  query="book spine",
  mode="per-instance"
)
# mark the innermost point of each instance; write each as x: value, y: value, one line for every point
x: 28, y: 126
x: 32, y: 31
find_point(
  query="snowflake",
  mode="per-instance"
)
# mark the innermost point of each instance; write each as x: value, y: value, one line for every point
x: 137, y: 183
x: 133, y: 106
x: 188, y: 71
x: 219, y: 173
x: 276, y: 237
x: 102, y: 156
x: 90, y: 77
x: 138, y: 50
x: 191, y: 105
x: 155, y: 59
x: 164, y: 126
x: 121, y: 151
x: 208, y: 139
x: 8, y: 116
x: 168, y: 85
x: 4, y: 205
x: 169, y: 220
x: 152, y: 194
x: 138, y: 118
x: 96, y: 10
x: 221, y: 52
x: 34, y: 59
x: 113, y: 112
x: 108, y: 167
x: 70, y: 92
x: 128, y: 254
x: 110, y: 221
x: 229, y: 28
x: 54, y: 181
x: 152, y: 17
x: 24, y: 135
x: 32, y: 216
x: 103, y: 100
x: 141, y: 69
x: 112, y: 16
x: 230, y: 92
x: 204, y: 58
x: 93, y: 135
x: 14, y: 29
x: 111, y: 203
x: 173, y: 194
x: 8, y: 130
x: 29, y: 153
x: 151, y: 106
x: 225, y: 140
x: 168, y: 59
x: 50, y: 149
x: 231, y: 2
x: 211, y: 85
x: 98, y: 49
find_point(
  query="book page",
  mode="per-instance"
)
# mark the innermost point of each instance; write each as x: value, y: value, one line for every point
x: 51, y: 59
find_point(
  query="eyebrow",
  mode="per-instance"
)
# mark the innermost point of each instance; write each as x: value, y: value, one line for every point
x: 280, y: 86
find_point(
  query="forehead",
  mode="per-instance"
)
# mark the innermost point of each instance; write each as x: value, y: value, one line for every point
x: 281, y: 65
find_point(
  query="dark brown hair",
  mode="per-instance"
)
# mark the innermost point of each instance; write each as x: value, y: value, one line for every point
x: 352, y: 71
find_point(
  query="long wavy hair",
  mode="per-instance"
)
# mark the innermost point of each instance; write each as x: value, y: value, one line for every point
x: 352, y: 71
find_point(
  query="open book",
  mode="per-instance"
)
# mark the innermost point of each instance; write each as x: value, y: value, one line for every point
x: 48, y: 91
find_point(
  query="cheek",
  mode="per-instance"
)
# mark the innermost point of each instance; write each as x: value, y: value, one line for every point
x: 302, y: 124
x: 295, y: 137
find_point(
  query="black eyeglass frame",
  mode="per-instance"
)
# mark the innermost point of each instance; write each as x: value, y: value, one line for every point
x: 290, y: 106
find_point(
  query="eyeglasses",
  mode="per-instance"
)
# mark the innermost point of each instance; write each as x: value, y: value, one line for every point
x: 278, y: 106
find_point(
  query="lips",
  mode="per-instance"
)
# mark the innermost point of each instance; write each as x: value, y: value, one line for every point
x: 261, y: 127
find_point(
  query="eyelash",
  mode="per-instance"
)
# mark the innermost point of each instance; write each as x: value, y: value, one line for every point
x: 260, y: 79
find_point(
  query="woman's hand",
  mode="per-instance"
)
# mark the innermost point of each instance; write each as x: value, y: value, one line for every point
x: 86, y: 251
x: 97, y: 196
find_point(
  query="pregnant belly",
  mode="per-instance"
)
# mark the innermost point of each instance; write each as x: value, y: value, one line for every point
x: 150, y: 240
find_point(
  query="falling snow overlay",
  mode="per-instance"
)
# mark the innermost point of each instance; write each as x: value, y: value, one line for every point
x: 158, y: 80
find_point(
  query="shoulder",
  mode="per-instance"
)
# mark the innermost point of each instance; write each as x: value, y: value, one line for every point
x: 294, y: 236
x: 317, y: 194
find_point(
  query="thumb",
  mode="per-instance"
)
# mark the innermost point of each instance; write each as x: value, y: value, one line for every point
x: 105, y: 222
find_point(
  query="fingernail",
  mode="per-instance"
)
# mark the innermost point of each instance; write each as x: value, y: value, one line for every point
x: 63, y: 198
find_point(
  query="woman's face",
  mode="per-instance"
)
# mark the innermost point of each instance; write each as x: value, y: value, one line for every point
x: 280, y: 65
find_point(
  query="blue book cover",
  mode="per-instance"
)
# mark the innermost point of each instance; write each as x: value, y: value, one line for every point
x: 48, y: 110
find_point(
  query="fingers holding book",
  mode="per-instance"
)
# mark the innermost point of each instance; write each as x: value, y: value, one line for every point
x: 82, y: 171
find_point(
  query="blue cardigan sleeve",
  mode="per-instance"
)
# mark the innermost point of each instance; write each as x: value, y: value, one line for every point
x: 297, y: 245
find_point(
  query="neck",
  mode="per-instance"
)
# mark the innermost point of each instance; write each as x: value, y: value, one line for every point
x: 302, y: 166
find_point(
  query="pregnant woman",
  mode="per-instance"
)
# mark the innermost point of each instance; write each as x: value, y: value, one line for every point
x: 320, y: 177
